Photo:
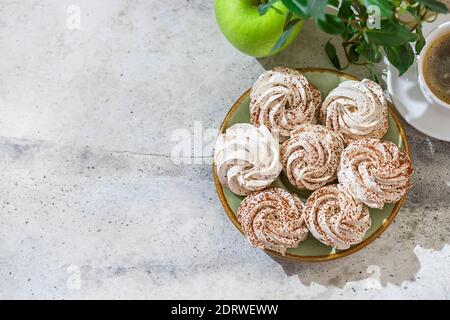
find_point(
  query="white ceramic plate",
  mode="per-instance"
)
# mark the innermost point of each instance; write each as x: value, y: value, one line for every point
x: 429, y: 118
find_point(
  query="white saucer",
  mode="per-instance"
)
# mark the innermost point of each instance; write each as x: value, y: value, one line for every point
x: 429, y: 118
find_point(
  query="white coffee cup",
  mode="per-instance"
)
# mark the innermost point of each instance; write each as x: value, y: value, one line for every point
x: 436, y: 34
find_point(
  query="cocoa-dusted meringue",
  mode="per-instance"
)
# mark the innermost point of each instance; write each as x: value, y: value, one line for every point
x: 273, y: 219
x: 311, y: 156
x: 282, y: 99
x: 336, y: 218
x: 357, y: 109
x: 375, y: 172
x: 247, y: 158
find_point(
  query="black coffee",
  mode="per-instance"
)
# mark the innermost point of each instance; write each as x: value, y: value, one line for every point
x: 436, y: 69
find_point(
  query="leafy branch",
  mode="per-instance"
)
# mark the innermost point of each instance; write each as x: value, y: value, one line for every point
x: 367, y: 28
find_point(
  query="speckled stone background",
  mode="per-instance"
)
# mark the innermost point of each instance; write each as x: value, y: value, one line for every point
x: 93, y: 206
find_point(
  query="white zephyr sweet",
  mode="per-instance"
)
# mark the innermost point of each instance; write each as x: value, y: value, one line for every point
x: 273, y: 219
x: 247, y: 158
x: 310, y: 158
x: 356, y: 109
x: 283, y: 99
x: 336, y: 218
x: 375, y: 172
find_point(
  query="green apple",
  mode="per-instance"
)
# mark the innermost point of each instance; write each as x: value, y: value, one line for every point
x: 250, y: 33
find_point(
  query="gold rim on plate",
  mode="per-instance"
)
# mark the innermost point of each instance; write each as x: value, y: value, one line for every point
x: 332, y: 256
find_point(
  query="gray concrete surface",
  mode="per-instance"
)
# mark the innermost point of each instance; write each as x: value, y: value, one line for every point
x: 93, y: 206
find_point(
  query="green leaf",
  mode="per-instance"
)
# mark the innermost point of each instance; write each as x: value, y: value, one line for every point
x: 289, y: 16
x: 289, y: 28
x: 386, y: 7
x: 401, y: 57
x: 331, y: 53
x: 353, y: 55
x: 297, y: 7
x: 331, y: 24
x: 263, y: 8
x: 434, y: 5
x: 334, y: 3
x: 316, y: 8
x: 372, y: 73
x: 306, y: 8
x: 369, y: 51
x: 363, y: 15
x: 345, y: 10
x: 391, y: 34
x: 421, y: 42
